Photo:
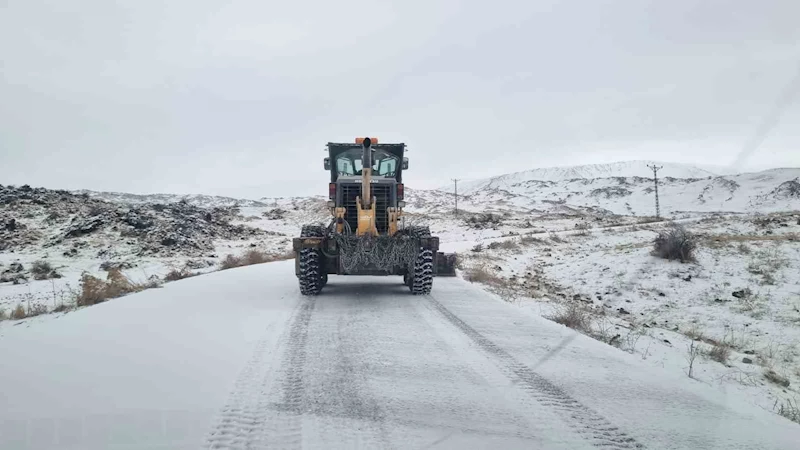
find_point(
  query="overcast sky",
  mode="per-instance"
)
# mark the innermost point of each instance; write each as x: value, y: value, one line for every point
x: 239, y: 97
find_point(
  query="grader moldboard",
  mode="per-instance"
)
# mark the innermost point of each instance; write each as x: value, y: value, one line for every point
x: 366, y: 235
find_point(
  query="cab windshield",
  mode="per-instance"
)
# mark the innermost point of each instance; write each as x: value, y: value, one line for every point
x: 384, y: 164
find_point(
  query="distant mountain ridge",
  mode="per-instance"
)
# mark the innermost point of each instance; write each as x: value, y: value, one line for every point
x: 626, y: 169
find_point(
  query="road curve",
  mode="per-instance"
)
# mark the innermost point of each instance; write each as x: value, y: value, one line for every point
x: 239, y: 360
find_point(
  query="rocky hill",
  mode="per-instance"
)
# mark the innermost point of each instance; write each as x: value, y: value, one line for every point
x: 204, y: 201
x: 33, y: 218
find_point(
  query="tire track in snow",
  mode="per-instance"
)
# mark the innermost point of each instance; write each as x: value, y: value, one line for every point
x: 586, y: 422
x: 338, y: 402
x: 543, y: 429
x: 246, y: 419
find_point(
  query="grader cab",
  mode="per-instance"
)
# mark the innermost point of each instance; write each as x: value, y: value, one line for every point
x: 366, y: 234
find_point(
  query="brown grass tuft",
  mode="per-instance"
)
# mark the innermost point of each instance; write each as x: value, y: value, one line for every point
x: 575, y: 316
x: 42, y: 270
x: 483, y: 275
x: 175, y: 275
x: 720, y: 353
x: 774, y: 377
x: 531, y: 240
x: 94, y: 290
x: 251, y: 257
x: 18, y: 313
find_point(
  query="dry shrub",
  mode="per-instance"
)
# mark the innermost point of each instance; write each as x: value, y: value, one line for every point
x: 530, y: 240
x: 648, y: 219
x: 42, y: 270
x: 675, y: 243
x: 575, y: 316
x: 744, y: 249
x: 774, y: 377
x: 720, y: 353
x: 18, y: 312
x: 175, y: 275
x: 230, y: 262
x: 94, y: 290
x: 483, y: 275
x: 694, y: 333
x: 556, y: 238
x: 505, y: 245
x: 251, y: 257
x: 584, y: 229
x: 788, y: 409
x: 3, y: 314
x: 62, y: 308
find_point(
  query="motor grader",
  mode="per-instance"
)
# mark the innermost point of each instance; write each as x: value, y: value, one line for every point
x: 367, y: 234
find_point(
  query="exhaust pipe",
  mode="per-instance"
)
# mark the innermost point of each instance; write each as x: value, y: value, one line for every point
x: 366, y: 173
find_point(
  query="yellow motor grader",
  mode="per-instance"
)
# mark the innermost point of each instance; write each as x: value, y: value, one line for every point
x: 366, y: 234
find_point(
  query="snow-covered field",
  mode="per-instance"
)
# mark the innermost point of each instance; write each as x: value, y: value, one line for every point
x: 739, y: 302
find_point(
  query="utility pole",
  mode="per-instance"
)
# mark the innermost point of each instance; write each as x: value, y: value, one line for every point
x: 655, y: 180
x: 455, y: 181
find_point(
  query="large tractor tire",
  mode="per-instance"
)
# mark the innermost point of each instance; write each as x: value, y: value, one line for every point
x: 420, y: 281
x: 313, y: 275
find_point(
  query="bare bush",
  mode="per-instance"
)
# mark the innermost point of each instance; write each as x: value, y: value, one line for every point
x: 575, y: 316
x: 481, y: 221
x: 744, y: 249
x: 648, y: 219
x: 42, y: 270
x: 509, y: 244
x: 94, y: 290
x: 788, y: 409
x: 483, y: 275
x: 230, y: 262
x: 694, y: 333
x: 675, y: 243
x: 251, y: 257
x: 584, y: 229
x: 720, y: 353
x: 531, y: 240
x: 176, y: 274
x: 774, y: 377
x: 3, y: 314
x: 557, y: 239
x: 18, y: 313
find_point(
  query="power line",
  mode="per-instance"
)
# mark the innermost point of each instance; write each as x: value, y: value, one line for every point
x: 655, y: 180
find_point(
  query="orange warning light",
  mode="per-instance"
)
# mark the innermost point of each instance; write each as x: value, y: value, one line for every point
x: 360, y: 140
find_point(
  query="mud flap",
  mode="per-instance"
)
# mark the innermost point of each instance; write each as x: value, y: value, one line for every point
x: 445, y: 264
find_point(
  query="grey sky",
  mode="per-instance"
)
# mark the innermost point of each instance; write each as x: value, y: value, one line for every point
x: 238, y: 98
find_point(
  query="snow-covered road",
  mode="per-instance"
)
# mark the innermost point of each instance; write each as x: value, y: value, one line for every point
x: 238, y: 359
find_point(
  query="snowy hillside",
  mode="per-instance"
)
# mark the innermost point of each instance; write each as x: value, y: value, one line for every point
x: 586, y: 172
x: 767, y: 191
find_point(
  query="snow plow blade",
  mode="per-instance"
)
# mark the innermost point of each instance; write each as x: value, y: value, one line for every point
x: 445, y: 264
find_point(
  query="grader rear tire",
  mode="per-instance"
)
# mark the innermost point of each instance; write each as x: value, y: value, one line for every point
x: 312, y: 275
